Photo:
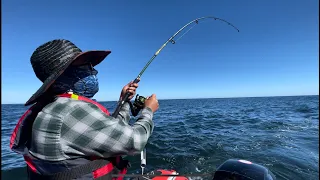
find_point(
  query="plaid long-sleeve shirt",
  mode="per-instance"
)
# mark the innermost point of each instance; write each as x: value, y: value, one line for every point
x: 70, y: 128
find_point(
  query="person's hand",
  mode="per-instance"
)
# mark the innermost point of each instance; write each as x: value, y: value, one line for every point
x: 152, y: 103
x: 130, y: 87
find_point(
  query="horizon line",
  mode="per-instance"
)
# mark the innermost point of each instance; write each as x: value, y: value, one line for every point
x: 231, y: 97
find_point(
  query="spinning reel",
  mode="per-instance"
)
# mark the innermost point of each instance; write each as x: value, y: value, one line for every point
x: 137, y: 105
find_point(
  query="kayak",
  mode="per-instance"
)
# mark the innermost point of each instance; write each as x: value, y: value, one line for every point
x: 232, y: 169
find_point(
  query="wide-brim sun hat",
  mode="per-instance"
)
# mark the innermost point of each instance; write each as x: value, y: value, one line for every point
x: 52, y: 58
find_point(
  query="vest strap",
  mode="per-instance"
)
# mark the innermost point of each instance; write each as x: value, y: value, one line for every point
x: 77, y: 172
x: 82, y: 98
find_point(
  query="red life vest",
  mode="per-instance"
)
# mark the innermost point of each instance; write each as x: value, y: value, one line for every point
x: 90, y: 167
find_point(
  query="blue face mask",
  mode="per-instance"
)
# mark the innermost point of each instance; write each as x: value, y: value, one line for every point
x: 82, y: 81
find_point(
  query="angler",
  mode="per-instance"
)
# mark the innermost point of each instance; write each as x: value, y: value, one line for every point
x: 65, y: 134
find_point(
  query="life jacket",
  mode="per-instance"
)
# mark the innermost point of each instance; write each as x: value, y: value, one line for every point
x: 80, y: 168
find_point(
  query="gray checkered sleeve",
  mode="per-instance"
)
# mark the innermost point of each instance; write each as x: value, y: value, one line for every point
x: 89, y: 131
x: 124, y: 114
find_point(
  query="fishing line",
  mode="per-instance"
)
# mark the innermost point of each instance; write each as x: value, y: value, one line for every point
x: 173, y: 42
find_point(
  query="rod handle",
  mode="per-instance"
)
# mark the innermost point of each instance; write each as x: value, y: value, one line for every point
x: 125, y: 99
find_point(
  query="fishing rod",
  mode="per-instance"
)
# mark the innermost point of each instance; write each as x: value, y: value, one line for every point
x: 136, y: 80
x: 171, y: 39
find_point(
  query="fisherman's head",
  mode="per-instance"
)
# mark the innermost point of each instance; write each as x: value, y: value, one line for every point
x: 63, y: 67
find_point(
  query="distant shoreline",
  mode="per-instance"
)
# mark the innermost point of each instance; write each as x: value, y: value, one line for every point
x: 199, y: 98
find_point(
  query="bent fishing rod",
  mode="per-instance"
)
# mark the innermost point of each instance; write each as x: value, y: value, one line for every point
x: 173, y: 41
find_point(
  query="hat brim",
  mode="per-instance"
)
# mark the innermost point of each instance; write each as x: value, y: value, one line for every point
x: 93, y: 57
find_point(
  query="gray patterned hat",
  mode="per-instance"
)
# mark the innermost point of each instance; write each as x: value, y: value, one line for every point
x: 52, y: 58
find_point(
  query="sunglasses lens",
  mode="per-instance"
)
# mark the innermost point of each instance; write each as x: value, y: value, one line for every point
x: 86, y: 67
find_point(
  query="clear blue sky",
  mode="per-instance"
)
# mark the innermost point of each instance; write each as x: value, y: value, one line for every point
x: 275, y: 53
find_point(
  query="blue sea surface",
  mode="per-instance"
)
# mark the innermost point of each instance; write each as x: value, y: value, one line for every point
x: 195, y: 136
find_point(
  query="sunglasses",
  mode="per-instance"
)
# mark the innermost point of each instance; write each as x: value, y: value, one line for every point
x: 86, y: 67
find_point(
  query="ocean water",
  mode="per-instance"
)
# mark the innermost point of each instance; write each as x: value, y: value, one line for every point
x: 197, y: 135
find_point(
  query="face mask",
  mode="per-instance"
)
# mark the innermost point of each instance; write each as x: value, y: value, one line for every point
x: 87, y: 86
x: 81, y: 80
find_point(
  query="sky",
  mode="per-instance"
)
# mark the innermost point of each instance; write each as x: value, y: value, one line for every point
x: 274, y: 54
